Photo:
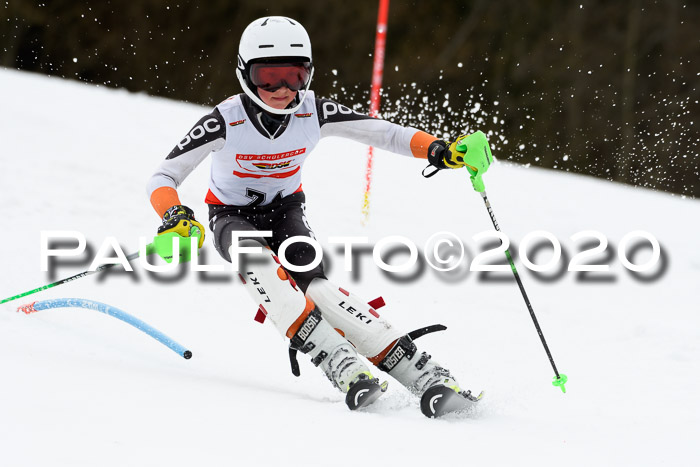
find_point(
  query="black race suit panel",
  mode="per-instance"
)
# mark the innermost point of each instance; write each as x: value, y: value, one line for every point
x: 285, y: 217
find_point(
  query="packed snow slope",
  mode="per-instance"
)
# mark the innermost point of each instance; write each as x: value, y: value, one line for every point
x: 79, y: 388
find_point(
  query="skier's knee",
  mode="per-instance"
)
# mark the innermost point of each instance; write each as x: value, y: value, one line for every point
x: 252, y: 242
x: 302, y: 254
x: 244, y: 252
x: 223, y: 239
x: 270, y: 286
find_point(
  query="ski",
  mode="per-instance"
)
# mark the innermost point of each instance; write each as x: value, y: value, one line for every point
x: 364, y: 392
x: 441, y: 400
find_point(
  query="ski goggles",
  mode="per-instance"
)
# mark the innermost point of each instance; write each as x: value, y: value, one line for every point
x: 272, y: 76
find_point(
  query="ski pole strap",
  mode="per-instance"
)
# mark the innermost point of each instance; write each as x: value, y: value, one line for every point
x: 426, y: 330
x: 294, y: 362
x: 430, y: 174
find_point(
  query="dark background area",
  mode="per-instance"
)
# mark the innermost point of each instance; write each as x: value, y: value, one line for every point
x: 605, y: 88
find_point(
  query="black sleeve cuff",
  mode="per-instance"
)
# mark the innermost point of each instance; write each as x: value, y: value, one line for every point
x: 436, y: 154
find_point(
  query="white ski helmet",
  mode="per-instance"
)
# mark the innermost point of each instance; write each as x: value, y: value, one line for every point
x: 274, y: 40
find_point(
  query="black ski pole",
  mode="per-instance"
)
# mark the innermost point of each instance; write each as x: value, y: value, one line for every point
x: 477, y: 159
x: 68, y: 279
x: 559, y: 380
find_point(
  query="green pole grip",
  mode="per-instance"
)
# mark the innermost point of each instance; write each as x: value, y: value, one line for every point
x: 163, y: 245
x: 477, y: 157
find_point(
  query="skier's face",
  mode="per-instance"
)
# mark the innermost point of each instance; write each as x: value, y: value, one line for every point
x: 279, y: 99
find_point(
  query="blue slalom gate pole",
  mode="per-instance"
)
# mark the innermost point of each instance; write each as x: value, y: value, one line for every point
x: 111, y: 311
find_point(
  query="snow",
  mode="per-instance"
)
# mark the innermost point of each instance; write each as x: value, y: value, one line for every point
x: 81, y: 388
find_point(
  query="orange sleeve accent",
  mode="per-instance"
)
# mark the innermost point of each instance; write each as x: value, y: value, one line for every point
x: 419, y: 144
x: 164, y: 198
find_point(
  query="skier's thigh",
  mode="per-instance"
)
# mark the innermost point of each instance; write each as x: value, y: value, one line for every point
x: 223, y: 228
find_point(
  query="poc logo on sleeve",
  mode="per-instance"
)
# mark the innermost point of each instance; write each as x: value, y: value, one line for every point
x: 208, y: 126
x: 331, y: 108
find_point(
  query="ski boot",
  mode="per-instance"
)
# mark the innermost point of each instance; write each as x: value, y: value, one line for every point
x: 439, y: 391
x: 388, y: 348
x: 295, y: 316
x: 338, y: 360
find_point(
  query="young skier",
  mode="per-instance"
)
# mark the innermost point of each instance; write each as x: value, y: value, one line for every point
x: 258, y: 141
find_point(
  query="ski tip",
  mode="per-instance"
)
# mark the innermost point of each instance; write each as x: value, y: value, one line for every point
x: 441, y: 400
x: 364, y: 393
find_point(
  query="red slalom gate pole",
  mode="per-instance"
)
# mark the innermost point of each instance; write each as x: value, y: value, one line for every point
x: 377, y: 74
